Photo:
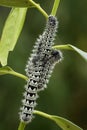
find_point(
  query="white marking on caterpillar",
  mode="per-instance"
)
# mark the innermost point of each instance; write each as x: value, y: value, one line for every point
x: 39, y: 68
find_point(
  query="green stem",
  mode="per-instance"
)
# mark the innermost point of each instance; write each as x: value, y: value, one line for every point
x: 42, y: 114
x: 21, y: 126
x: 39, y: 8
x: 63, y: 47
x: 55, y: 7
x: 18, y: 75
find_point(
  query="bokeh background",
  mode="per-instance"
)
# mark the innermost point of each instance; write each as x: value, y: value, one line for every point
x: 66, y: 94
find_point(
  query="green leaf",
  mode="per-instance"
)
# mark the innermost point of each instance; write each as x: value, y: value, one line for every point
x: 11, y: 32
x: 15, y: 3
x: 8, y: 70
x: 62, y: 122
x: 65, y: 124
x: 83, y: 54
x: 23, y: 3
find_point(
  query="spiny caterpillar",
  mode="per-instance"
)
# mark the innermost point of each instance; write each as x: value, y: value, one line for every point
x: 39, y: 68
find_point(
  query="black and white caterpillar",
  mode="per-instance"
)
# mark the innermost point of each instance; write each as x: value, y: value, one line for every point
x: 39, y: 68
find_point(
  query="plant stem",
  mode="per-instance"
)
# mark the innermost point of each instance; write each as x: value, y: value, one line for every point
x: 21, y: 126
x: 63, y: 47
x: 39, y: 8
x: 18, y: 75
x: 55, y: 7
x: 43, y: 114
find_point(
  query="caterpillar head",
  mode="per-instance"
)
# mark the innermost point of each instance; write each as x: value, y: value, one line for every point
x: 52, y: 20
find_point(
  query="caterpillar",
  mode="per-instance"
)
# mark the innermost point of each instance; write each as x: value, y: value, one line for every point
x: 39, y: 68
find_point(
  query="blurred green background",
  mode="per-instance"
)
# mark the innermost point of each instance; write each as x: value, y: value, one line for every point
x: 66, y: 94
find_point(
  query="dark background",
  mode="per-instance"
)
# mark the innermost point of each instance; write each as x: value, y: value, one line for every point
x: 66, y: 94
